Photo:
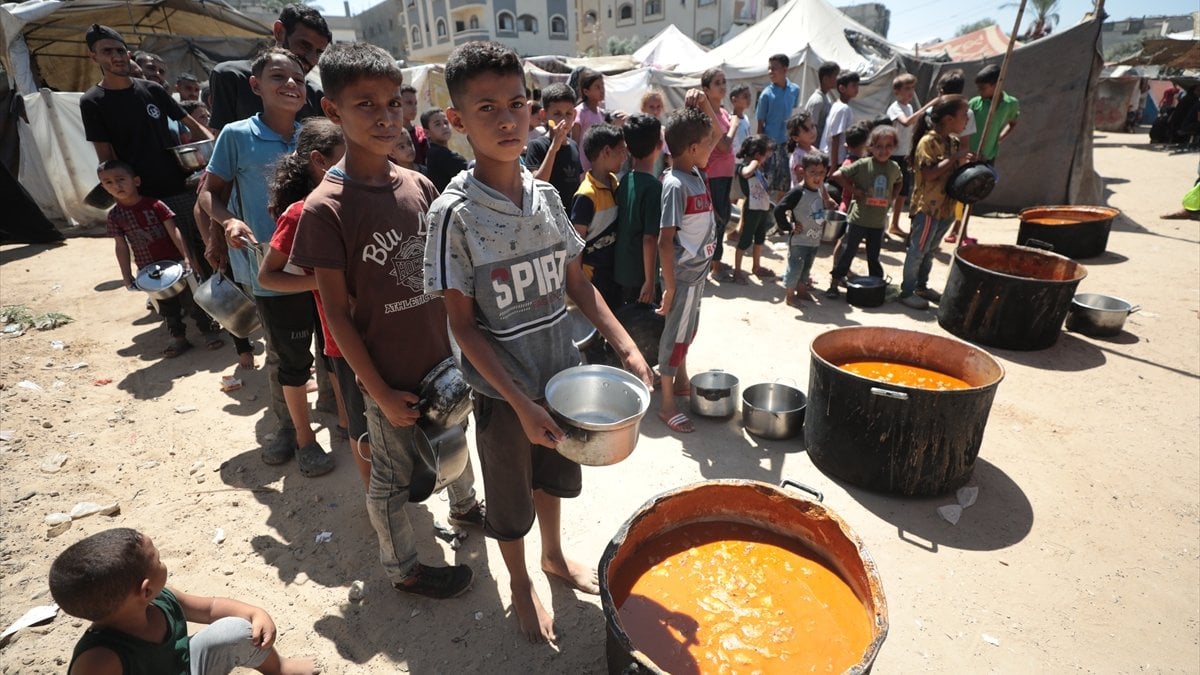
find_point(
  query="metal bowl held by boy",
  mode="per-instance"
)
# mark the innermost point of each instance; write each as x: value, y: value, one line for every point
x: 600, y: 409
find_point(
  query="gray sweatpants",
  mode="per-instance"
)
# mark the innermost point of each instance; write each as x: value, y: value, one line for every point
x: 224, y: 645
x: 683, y: 318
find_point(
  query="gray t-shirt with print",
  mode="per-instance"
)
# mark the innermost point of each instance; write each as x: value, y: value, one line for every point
x: 687, y: 206
x: 512, y: 262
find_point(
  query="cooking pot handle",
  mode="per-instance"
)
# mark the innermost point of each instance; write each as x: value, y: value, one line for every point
x: 898, y: 395
x: 569, y: 430
x: 1038, y: 243
x: 794, y: 384
x: 803, y: 488
x: 1135, y: 308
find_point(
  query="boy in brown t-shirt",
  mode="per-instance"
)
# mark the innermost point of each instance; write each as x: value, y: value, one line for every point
x: 363, y: 232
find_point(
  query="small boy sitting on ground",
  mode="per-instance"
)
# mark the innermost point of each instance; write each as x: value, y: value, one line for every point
x: 502, y: 252
x: 686, y: 243
x: 806, y: 206
x: 116, y: 580
x: 639, y: 212
x: 441, y: 163
x: 146, y: 227
x: 594, y: 209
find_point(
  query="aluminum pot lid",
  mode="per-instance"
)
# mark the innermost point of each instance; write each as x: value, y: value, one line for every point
x: 160, y: 275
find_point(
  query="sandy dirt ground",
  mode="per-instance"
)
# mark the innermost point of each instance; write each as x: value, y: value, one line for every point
x: 1081, y: 554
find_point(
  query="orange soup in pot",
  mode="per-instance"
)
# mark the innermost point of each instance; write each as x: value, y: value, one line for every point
x: 905, y: 375
x: 723, y: 597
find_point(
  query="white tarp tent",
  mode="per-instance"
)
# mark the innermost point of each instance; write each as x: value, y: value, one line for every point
x: 808, y: 32
x: 42, y: 44
x: 670, y: 50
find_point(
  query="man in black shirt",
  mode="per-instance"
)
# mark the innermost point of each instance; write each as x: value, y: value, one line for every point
x: 302, y: 31
x: 126, y: 119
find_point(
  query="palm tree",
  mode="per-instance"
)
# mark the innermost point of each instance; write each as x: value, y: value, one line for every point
x: 1045, y: 17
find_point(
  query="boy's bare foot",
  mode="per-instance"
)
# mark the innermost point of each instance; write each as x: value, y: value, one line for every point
x: 298, y: 667
x: 582, y: 578
x: 246, y: 360
x: 536, y: 623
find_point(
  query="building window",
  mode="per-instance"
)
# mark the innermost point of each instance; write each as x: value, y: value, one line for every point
x: 526, y: 23
x: 653, y: 8
x: 558, y: 25
x: 706, y: 37
x: 441, y: 28
x: 416, y: 36
x: 625, y: 12
x: 459, y: 26
x: 474, y: 23
x: 505, y: 22
x: 590, y: 18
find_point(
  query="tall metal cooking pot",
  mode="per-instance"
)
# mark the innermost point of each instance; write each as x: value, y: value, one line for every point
x: 714, y: 393
x: 1073, y: 231
x: 1012, y: 297
x: 891, y: 438
x: 757, y: 506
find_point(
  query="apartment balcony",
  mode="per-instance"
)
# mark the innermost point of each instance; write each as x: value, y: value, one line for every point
x: 465, y: 36
x: 460, y: 4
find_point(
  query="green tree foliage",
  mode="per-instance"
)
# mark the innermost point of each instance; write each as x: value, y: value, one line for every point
x: 973, y: 26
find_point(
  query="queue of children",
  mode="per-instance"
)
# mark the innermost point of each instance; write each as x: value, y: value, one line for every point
x: 374, y: 230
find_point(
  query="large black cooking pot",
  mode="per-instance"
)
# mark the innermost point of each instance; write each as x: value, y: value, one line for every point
x: 891, y: 438
x: 1010, y: 297
x: 756, y: 506
x: 1073, y: 231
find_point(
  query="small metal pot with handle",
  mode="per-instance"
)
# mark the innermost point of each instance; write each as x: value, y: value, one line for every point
x: 221, y: 298
x: 772, y: 410
x: 163, y: 279
x: 1098, y: 315
x: 600, y: 408
x: 714, y: 393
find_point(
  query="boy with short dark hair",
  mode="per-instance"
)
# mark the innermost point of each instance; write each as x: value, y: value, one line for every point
x: 594, y: 209
x: 686, y: 243
x: 775, y: 105
x: 235, y: 195
x: 502, y: 252
x: 805, y: 205
x: 639, y: 212
x: 408, y: 101
x: 825, y: 96
x: 554, y: 158
x: 116, y: 580
x: 363, y: 233
x: 146, y: 227
x: 441, y: 163
x: 840, y: 118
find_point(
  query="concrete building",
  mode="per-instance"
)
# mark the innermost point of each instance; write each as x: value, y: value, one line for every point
x: 433, y: 28
x: 381, y: 25
x: 1124, y: 37
x: 705, y: 21
x: 873, y: 15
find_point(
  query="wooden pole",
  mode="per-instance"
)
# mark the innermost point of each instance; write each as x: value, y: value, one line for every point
x: 996, y: 96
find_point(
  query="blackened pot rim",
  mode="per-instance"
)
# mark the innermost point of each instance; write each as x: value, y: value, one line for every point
x: 1058, y: 282
x: 812, y: 349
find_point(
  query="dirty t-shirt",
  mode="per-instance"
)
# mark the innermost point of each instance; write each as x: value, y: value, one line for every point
x: 512, y: 261
x: 878, y: 181
x: 687, y: 207
x: 376, y: 235
x: 929, y: 196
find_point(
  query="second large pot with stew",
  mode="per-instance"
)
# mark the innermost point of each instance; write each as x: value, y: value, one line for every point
x: 1012, y: 297
x: 890, y: 437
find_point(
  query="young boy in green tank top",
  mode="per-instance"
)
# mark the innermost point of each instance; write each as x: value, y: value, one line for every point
x: 117, y: 580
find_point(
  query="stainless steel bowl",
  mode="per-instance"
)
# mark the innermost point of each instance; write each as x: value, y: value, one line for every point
x: 773, y: 410
x: 193, y: 156
x: 600, y: 408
